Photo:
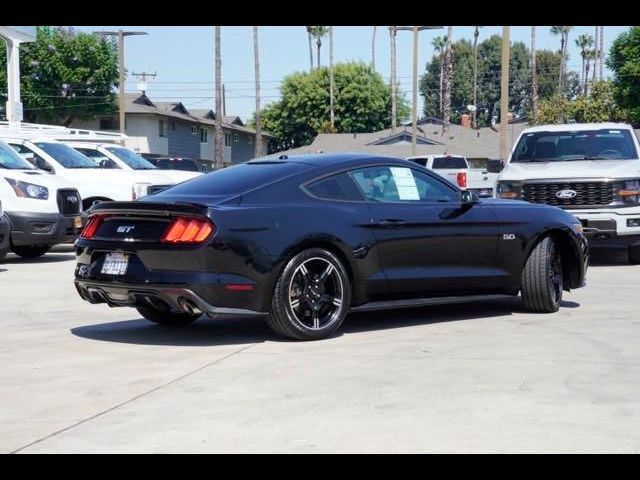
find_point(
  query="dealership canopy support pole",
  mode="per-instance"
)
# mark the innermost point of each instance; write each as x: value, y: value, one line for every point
x: 14, y: 103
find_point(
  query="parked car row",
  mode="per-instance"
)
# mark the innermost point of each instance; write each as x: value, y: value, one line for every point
x: 52, y: 174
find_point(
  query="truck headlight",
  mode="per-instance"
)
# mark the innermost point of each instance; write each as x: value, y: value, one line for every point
x: 630, y: 192
x: 28, y: 190
x: 509, y: 190
x: 1, y: 209
x: 139, y: 190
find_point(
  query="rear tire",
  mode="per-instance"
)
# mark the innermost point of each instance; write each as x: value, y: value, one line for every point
x: 167, y: 318
x: 312, y: 296
x: 542, y: 278
x: 30, y: 251
x: 634, y: 255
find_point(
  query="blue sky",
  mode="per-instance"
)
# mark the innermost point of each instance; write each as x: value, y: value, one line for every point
x: 183, y: 57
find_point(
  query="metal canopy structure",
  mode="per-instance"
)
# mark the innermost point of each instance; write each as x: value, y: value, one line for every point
x: 14, y: 36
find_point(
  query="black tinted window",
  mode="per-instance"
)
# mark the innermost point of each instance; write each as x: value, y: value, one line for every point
x: 449, y: 162
x: 236, y: 179
x: 338, y: 187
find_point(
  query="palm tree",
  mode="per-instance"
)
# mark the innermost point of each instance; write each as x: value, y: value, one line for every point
x: 439, y: 44
x: 476, y: 33
x: 218, y: 159
x: 256, y: 60
x: 332, y: 113
x: 534, y: 77
x: 309, y: 36
x: 448, y: 76
x: 392, y: 34
x: 595, y: 75
x: 601, y: 54
x: 584, y: 42
x: 373, y: 49
x: 319, y: 33
x: 563, y: 31
x: 589, y: 55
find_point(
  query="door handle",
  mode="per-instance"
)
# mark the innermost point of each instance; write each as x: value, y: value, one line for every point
x: 391, y: 222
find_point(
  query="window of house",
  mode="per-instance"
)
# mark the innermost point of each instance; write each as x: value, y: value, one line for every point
x: 194, y: 130
x: 173, y: 126
x: 162, y: 128
x: 109, y: 123
x: 204, y: 135
x: 236, y: 138
x: 227, y: 139
x: 250, y: 140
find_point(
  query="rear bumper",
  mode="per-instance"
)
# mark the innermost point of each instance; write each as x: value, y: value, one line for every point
x: 42, y: 228
x: 4, y: 233
x: 162, y: 297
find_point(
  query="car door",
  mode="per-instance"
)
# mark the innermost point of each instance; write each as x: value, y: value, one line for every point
x: 429, y: 243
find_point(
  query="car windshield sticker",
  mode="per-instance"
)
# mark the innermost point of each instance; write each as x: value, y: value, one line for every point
x: 406, y: 183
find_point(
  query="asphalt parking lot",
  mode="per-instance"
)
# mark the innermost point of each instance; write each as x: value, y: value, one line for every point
x: 481, y: 377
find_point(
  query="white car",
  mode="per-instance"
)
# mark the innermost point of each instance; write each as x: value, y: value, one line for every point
x: 591, y: 170
x: 93, y: 182
x: 42, y: 210
x: 455, y: 168
x: 116, y: 156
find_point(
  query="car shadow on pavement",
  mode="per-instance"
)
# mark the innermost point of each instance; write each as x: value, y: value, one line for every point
x: 609, y: 258
x: 47, y: 258
x: 242, y: 330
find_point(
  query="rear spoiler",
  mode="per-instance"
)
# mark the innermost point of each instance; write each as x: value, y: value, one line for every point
x: 150, y: 208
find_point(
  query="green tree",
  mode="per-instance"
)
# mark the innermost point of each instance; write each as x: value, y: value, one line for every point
x: 362, y: 104
x: 599, y: 106
x: 66, y: 75
x: 624, y: 61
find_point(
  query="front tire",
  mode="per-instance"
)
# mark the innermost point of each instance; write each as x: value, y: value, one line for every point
x: 3, y: 253
x: 634, y: 255
x: 167, y: 318
x: 30, y: 251
x: 312, y: 296
x: 542, y: 278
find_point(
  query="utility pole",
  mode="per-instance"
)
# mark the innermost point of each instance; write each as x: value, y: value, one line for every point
x: 218, y: 158
x: 601, y: 74
x: 414, y: 113
x: 256, y: 58
x: 121, y: 34
x: 142, y: 84
x: 392, y: 33
x: 504, y: 95
x: 331, y: 80
x: 224, y: 101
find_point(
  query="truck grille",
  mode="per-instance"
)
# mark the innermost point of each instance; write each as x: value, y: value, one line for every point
x: 588, y: 194
x: 69, y: 202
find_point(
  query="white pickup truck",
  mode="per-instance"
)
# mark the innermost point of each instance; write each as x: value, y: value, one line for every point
x: 591, y: 170
x: 455, y: 168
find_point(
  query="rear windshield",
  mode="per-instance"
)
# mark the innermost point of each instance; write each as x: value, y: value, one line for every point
x: 67, y: 156
x: 235, y: 180
x: 449, y: 163
x: 132, y: 159
x: 10, y: 160
x: 605, y: 144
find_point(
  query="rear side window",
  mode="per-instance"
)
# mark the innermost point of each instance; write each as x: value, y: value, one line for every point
x: 337, y: 187
x: 237, y: 179
x: 449, y: 163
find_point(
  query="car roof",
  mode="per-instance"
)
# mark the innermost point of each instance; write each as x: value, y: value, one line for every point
x: 577, y: 127
x: 330, y: 159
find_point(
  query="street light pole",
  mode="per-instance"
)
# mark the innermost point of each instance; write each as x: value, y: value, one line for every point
x: 504, y: 94
x: 121, y: 69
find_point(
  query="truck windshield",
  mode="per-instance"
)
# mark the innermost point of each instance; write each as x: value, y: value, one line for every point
x: 67, y: 156
x: 605, y: 144
x: 11, y: 160
x: 132, y: 159
x: 449, y: 163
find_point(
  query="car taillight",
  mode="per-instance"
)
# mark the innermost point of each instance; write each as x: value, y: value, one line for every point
x: 462, y: 180
x: 188, y: 230
x: 92, y: 226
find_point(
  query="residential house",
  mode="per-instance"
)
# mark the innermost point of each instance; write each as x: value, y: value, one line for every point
x: 169, y: 128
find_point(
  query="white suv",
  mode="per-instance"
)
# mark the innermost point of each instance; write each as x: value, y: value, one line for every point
x: 93, y: 182
x: 591, y: 170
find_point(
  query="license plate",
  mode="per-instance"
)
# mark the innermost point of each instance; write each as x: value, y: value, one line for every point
x: 115, y: 264
x: 77, y: 222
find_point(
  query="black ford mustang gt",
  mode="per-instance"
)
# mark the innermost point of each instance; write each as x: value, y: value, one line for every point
x: 306, y: 239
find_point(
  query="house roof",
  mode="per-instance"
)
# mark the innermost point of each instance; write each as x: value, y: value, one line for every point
x: 483, y: 143
x: 141, y: 103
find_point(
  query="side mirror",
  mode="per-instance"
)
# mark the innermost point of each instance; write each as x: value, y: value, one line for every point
x: 42, y: 165
x: 495, y: 166
x: 468, y: 198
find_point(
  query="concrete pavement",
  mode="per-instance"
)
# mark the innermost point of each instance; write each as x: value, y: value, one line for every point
x: 481, y: 377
